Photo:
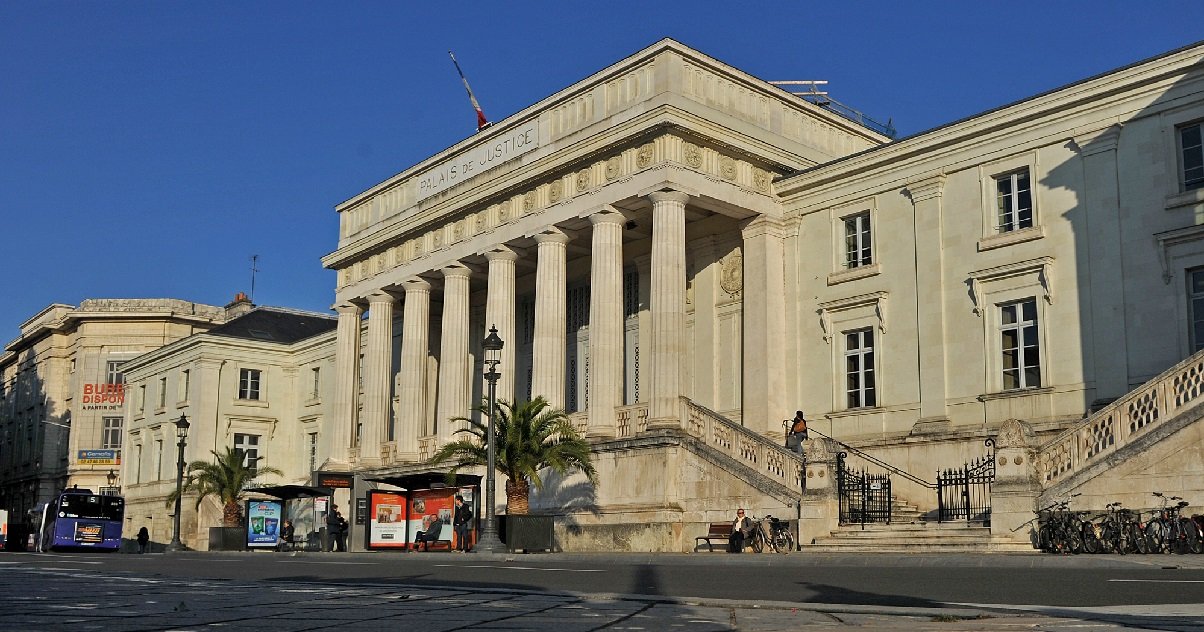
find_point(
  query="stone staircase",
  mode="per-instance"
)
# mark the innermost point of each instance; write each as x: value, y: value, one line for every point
x: 917, y: 537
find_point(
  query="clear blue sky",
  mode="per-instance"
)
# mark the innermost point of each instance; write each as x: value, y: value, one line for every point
x: 148, y: 149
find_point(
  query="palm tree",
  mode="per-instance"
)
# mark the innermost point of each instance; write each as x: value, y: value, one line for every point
x: 225, y: 478
x: 529, y: 437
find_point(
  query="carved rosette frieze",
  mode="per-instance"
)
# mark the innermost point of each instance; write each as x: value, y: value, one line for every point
x: 556, y: 191
x: 727, y: 167
x: 692, y: 154
x: 614, y: 167
x: 583, y: 180
x: 645, y: 155
x: 529, y: 201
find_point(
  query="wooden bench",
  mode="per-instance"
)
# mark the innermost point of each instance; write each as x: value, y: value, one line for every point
x: 718, y: 531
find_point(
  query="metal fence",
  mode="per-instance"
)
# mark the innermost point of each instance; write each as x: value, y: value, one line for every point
x: 965, y: 493
x: 864, y: 497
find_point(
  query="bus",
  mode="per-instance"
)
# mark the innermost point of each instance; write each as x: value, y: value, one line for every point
x: 79, y: 519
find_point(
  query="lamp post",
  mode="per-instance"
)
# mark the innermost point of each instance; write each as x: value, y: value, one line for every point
x: 489, y: 542
x: 182, y: 434
x: 111, y: 489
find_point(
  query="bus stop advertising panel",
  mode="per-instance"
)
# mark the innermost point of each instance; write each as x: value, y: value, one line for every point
x: 386, y: 520
x: 263, y: 523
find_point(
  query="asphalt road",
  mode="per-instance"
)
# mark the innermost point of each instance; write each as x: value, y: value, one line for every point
x: 932, y: 580
x: 563, y: 592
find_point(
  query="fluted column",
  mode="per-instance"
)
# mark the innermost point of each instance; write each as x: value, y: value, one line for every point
x: 549, y: 348
x: 668, y: 307
x: 412, y: 420
x: 344, y: 416
x: 453, y: 352
x: 606, y: 322
x: 499, y: 312
x: 378, y: 356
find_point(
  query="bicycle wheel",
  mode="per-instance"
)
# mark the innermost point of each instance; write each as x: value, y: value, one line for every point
x: 1137, y: 537
x: 1074, y: 540
x: 1155, y: 534
x: 1192, y: 542
x: 1091, y: 543
x: 783, y: 542
x: 758, y: 542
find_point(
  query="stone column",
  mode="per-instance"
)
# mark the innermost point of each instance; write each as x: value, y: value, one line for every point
x: 453, y: 352
x: 606, y: 322
x: 763, y: 381
x: 412, y: 420
x: 500, y: 313
x: 668, y: 307
x: 1108, y: 350
x: 1017, y: 487
x: 926, y: 198
x: 819, y: 514
x: 548, y: 355
x: 378, y: 378
x: 345, y: 412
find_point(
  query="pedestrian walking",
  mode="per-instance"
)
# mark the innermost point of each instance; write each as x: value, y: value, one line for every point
x: 462, y: 520
x: 143, y: 540
x: 334, y: 524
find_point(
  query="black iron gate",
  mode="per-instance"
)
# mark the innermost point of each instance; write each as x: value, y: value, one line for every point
x: 864, y: 497
x: 965, y: 493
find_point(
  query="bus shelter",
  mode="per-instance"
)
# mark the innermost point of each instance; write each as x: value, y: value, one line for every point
x: 424, y: 505
x: 302, y: 505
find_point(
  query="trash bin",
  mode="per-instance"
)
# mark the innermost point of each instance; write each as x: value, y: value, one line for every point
x: 529, y: 533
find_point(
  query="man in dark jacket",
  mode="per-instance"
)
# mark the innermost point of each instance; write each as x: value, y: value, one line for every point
x: 741, y: 528
x: 462, y: 520
x: 334, y: 528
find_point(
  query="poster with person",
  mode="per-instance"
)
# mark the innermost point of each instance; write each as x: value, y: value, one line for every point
x: 386, y: 520
x: 430, y: 515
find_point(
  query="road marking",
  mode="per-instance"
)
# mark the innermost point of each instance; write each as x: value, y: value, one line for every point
x: 1161, y: 581
x: 332, y: 563
x: 524, y: 568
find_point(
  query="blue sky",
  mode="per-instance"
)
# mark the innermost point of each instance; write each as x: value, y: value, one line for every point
x: 149, y: 149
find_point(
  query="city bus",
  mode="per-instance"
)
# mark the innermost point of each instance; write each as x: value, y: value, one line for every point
x: 79, y: 519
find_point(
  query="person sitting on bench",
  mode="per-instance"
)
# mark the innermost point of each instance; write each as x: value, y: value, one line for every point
x: 741, y: 528
x: 432, y: 527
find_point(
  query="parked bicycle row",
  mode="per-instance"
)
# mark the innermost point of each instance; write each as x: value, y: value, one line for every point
x: 1120, y: 530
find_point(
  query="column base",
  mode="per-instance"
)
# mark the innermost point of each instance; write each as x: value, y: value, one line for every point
x: 489, y: 542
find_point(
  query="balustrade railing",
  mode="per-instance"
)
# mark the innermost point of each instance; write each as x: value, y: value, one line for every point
x: 1124, y: 420
x: 631, y: 420
x: 760, y: 453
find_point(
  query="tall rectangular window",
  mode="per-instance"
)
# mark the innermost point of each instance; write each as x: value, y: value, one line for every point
x: 1014, y: 201
x: 162, y: 392
x: 1020, y: 345
x: 138, y: 464
x: 248, y: 384
x: 316, y: 384
x: 185, y: 385
x: 247, y: 446
x: 859, y: 369
x: 1195, y: 306
x: 1191, y: 144
x: 113, y: 374
x: 313, y: 451
x: 111, y: 439
x: 857, y: 240
x: 158, y: 459
x: 141, y: 398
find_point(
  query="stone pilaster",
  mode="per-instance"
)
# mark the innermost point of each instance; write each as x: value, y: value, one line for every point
x: 926, y: 198
x: 548, y: 355
x: 1108, y: 349
x: 606, y: 322
x: 764, y: 380
x: 378, y: 378
x: 412, y: 421
x: 820, y: 511
x: 668, y: 307
x: 453, y: 352
x: 500, y: 313
x: 345, y: 412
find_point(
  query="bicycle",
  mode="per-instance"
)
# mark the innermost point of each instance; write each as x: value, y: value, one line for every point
x: 1060, y: 530
x: 780, y: 538
x: 1169, y: 532
x: 1120, y: 532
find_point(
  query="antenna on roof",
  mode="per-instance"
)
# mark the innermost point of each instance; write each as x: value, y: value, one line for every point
x: 254, y: 260
x: 482, y: 122
x: 813, y: 95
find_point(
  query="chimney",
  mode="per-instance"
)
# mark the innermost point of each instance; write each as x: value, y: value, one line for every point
x: 239, y: 306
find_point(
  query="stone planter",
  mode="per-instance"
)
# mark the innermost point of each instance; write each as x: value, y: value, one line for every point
x: 227, y: 539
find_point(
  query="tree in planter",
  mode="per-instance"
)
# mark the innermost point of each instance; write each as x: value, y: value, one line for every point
x: 529, y: 437
x: 226, y: 478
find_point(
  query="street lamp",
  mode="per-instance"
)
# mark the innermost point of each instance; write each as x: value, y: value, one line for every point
x: 182, y: 434
x: 489, y: 542
x: 111, y: 489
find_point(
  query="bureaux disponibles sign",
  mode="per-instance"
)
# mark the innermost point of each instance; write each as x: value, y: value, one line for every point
x: 499, y: 150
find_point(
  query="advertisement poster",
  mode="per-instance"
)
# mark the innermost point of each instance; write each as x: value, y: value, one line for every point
x: 431, y: 516
x: 89, y: 532
x: 386, y: 520
x: 3, y: 527
x: 263, y: 522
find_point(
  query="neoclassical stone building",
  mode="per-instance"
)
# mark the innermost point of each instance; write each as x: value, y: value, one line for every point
x: 63, y: 398
x: 681, y: 255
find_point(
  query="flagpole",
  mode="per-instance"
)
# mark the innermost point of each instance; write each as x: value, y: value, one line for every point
x: 482, y: 122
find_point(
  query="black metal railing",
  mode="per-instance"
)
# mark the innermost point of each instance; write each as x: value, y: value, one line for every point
x: 864, y: 497
x: 965, y: 493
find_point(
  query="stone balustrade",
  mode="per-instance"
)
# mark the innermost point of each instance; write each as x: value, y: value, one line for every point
x: 1123, y: 421
x: 763, y: 455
